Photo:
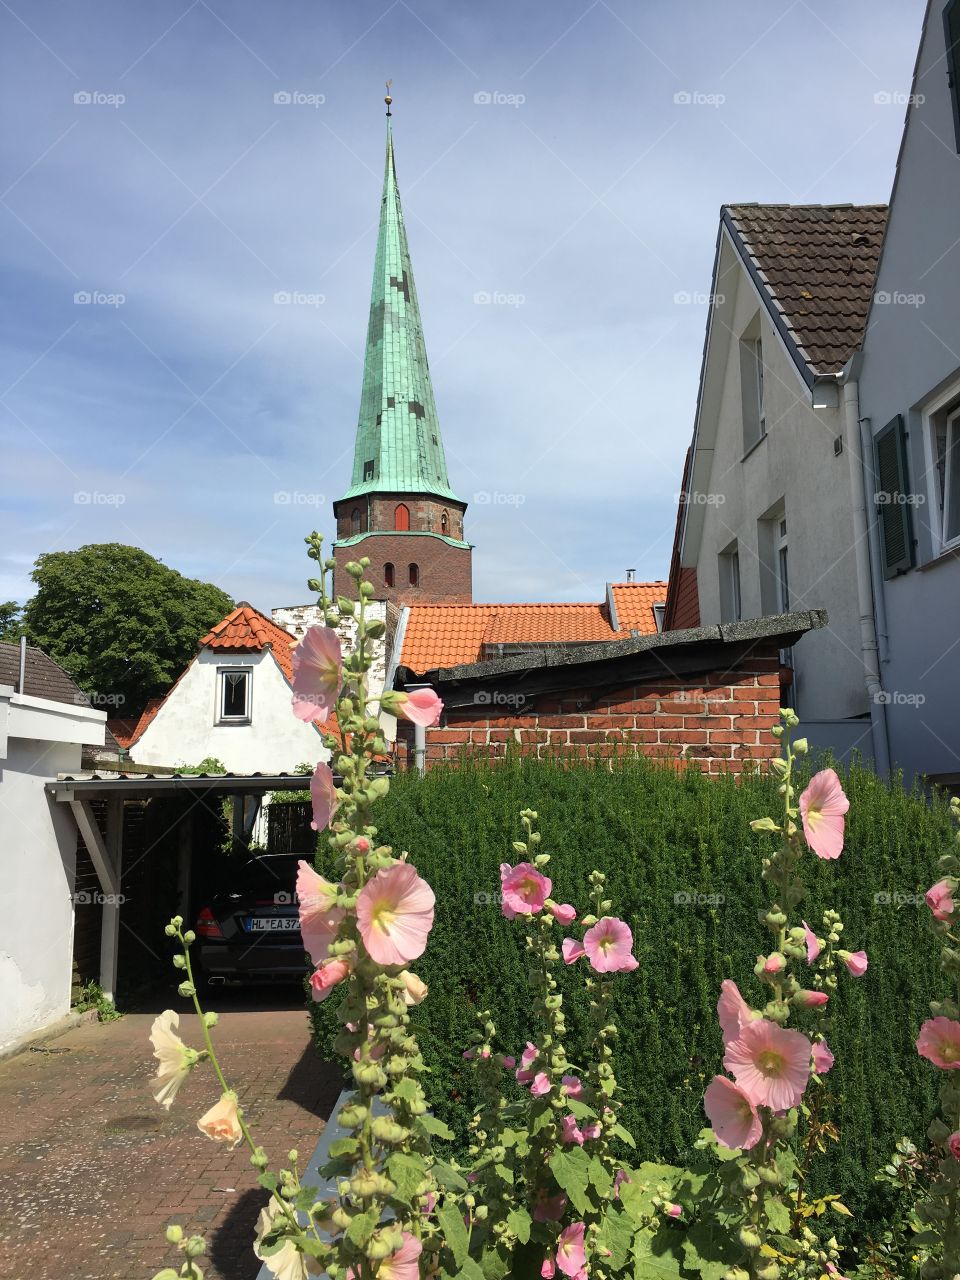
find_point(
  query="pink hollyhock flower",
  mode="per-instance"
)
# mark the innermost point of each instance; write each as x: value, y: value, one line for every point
x: 467, y: 1055
x: 939, y: 1040
x: 673, y: 1211
x: 733, y: 1011
x: 563, y: 913
x: 813, y: 943
x: 572, y: 1086
x: 822, y: 806
x: 571, y: 1255
x: 222, y: 1121
x: 414, y: 988
x: 823, y: 1059
x: 771, y: 1064
x: 570, y: 1131
x: 327, y: 976
x: 547, y: 1269
x: 319, y: 917
x: 541, y: 1084
x: 856, y: 962
x: 811, y: 999
x: 323, y: 793
x: 524, y: 890
x: 775, y: 963
x: 609, y: 946
x: 317, y: 674
x: 550, y: 1209
x: 618, y: 1181
x: 395, y: 914
x: 422, y: 706
x: 572, y: 950
x: 591, y: 1131
x: 732, y: 1114
x: 940, y: 900
x: 402, y: 1265
x: 953, y: 1145
x: 530, y: 1054
x: 508, y: 1061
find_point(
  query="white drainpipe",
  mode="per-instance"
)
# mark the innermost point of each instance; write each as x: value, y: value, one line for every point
x: 865, y: 603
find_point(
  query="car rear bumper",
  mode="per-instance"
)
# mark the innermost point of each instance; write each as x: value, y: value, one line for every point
x: 252, y: 960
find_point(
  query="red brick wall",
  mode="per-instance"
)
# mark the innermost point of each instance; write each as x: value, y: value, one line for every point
x: 446, y: 573
x: 378, y: 514
x: 718, y: 721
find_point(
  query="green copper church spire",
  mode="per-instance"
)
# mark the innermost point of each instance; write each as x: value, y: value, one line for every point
x: 398, y: 449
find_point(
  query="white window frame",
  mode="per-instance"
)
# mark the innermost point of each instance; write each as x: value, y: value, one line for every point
x: 781, y: 563
x: 752, y: 407
x: 222, y: 674
x: 936, y: 498
x: 731, y: 590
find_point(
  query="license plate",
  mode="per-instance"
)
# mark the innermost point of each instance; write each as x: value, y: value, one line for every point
x: 271, y: 924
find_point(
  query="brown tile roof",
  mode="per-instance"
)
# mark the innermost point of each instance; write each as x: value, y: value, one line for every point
x: 817, y: 264
x: 449, y: 635
x: 42, y: 679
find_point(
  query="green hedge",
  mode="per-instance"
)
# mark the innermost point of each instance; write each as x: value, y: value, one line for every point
x: 657, y: 834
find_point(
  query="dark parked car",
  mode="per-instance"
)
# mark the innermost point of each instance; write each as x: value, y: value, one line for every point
x: 251, y: 932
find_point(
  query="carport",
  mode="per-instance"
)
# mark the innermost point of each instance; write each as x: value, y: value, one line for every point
x: 103, y: 835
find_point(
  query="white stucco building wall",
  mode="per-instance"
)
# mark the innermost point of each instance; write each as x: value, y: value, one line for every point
x: 187, y: 728
x: 38, y: 846
x: 792, y: 474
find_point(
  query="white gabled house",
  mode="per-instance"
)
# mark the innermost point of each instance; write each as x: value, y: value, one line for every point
x: 232, y: 703
x: 771, y: 517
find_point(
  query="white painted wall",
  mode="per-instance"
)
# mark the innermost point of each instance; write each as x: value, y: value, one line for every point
x: 38, y: 848
x: 795, y: 462
x: 185, y: 729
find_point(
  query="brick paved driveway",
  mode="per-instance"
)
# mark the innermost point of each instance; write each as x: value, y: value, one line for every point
x: 92, y: 1170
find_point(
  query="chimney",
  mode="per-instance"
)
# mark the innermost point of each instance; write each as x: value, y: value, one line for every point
x: 23, y: 664
x: 631, y: 575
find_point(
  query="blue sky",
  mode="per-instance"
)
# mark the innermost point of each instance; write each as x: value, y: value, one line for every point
x: 566, y: 161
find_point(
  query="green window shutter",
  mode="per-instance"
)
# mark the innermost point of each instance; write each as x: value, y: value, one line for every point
x: 896, y: 533
x: 951, y: 33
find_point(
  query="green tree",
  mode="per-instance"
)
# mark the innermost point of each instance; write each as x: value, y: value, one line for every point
x: 120, y: 622
x: 10, y: 621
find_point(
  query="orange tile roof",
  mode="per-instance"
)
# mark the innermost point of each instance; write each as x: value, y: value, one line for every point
x: 246, y: 628
x: 447, y: 635
x: 633, y: 603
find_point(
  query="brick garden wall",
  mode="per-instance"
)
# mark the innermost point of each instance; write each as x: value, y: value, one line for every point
x: 720, y: 721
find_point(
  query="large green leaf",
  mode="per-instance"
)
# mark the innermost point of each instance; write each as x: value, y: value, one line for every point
x: 520, y: 1222
x: 454, y: 1232
x: 571, y: 1168
x: 710, y: 1250
x: 655, y: 1256
x: 616, y: 1234
x: 407, y: 1171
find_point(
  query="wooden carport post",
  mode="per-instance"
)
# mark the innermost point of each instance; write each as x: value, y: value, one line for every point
x: 107, y: 857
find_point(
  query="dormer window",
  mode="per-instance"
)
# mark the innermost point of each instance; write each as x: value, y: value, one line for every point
x: 233, y: 695
x: 368, y: 469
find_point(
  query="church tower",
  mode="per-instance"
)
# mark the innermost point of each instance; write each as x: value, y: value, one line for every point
x: 400, y: 510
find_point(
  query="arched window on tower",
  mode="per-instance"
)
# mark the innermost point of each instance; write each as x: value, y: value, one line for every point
x: 388, y: 576
x: 355, y: 520
x: 401, y: 517
x: 414, y: 575
x: 444, y: 522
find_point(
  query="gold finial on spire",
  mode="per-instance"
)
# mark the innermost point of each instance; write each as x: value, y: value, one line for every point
x: 388, y: 100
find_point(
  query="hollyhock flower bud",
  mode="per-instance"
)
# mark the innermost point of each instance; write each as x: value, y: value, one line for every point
x: 508, y: 1061
x: 569, y: 1131
x: 810, y: 999
x: 541, y: 1084
x: 562, y: 912
x: 414, y: 989
x: 327, y: 976
x: 775, y: 963
x: 591, y: 1131
x: 814, y: 945
x: 673, y: 1210
x: 953, y: 1144
x: 421, y: 706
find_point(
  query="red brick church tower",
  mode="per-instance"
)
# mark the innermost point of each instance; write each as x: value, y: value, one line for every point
x: 400, y: 510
